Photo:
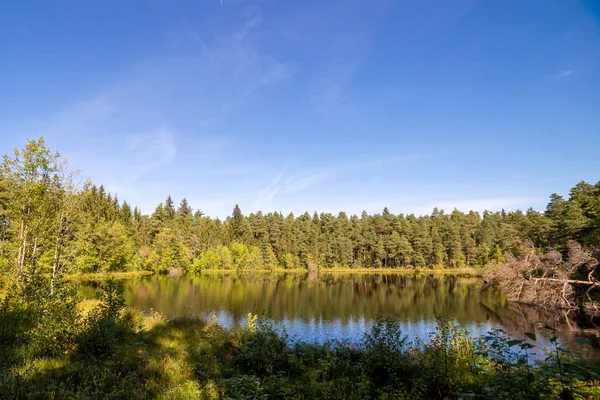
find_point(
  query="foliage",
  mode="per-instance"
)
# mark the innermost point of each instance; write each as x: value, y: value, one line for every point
x: 29, y: 315
x: 48, y: 222
x: 103, y: 328
x: 48, y: 349
x: 113, y: 353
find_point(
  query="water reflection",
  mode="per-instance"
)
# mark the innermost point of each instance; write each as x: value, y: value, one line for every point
x: 335, y: 306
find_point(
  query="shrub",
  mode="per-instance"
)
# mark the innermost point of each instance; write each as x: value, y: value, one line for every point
x: 264, y: 351
x: 445, y: 365
x: 104, y: 326
x: 385, y: 358
x: 44, y: 324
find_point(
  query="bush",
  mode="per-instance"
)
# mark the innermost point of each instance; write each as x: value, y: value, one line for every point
x: 104, y: 326
x: 264, y: 351
x: 446, y: 364
x: 385, y: 360
x: 43, y: 324
x: 57, y: 323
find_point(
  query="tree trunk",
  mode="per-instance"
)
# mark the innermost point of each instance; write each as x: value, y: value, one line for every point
x: 56, y: 260
x: 569, y: 281
x: 21, y: 248
x: 33, y: 253
x: 23, y: 252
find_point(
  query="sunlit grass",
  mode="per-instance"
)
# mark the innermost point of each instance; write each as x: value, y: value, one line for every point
x: 98, y: 276
x: 103, y: 276
x: 87, y: 305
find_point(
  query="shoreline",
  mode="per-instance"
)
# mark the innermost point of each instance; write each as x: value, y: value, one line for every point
x: 472, y: 272
x: 97, y: 276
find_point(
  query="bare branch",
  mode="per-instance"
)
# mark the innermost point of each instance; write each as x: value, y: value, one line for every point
x: 546, y: 279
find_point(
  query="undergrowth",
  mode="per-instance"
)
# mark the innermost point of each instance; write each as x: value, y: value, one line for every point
x: 49, y: 348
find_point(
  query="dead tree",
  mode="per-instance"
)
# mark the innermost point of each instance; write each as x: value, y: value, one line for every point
x: 547, y: 279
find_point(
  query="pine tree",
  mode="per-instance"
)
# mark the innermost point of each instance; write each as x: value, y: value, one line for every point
x: 170, y: 208
x: 125, y: 215
x: 237, y: 223
x: 184, y: 209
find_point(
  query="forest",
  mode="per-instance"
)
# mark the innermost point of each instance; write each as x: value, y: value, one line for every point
x: 56, y: 344
x: 54, y: 221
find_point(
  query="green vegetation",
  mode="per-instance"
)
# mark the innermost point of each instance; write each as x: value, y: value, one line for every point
x: 52, y: 350
x: 51, y: 221
x: 52, y: 345
x: 98, y: 276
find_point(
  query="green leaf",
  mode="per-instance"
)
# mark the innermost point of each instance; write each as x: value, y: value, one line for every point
x: 512, y: 343
x: 530, y: 335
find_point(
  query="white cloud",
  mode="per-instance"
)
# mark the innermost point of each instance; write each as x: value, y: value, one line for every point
x: 143, y: 152
x: 297, y: 184
x: 241, y: 66
x: 151, y: 149
x: 268, y: 193
x: 285, y: 185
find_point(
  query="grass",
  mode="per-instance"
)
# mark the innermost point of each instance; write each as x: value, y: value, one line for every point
x: 101, y: 276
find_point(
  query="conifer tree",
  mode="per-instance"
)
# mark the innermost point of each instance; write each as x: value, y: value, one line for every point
x: 169, y: 208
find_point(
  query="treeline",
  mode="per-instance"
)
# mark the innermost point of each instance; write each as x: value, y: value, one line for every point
x: 50, y: 221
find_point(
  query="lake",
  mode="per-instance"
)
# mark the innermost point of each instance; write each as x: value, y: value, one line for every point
x: 342, y: 306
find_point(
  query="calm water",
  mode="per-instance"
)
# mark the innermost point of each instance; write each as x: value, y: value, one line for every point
x: 319, y: 307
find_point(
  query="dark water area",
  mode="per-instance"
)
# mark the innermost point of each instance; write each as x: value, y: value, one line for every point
x: 342, y: 306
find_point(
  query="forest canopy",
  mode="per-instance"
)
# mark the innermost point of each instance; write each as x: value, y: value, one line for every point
x: 52, y: 221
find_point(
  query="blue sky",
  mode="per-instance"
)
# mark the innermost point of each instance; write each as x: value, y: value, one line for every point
x: 287, y: 105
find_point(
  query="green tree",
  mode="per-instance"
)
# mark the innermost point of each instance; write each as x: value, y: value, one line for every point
x: 170, y: 208
x: 31, y: 181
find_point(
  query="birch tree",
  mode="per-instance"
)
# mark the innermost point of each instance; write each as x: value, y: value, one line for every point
x: 29, y: 175
x: 38, y: 202
x: 66, y: 200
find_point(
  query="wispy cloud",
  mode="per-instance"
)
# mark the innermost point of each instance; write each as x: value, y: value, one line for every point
x: 304, y: 189
x: 299, y: 183
x: 252, y: 21
x: 241, y: 64
x: 143, y: 153
x: 151, y: 149
x: 268, y: 193
x: 283, y: 184
x: 342, y: 44
x: 566, y: 73
x: 329, y: 89
x: 196, y: 37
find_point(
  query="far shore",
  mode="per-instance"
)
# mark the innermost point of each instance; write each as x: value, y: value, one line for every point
x: 98, y: 276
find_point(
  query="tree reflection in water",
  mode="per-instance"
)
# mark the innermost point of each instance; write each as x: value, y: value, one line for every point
x: 319, y: 307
